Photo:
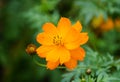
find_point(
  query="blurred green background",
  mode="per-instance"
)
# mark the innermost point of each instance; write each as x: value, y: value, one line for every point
x: 21, y: 21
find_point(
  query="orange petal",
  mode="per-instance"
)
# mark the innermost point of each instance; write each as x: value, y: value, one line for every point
x: 44, y: 39
x: 72, y: 35
x: 78, y: 54
x: 64, y: 55
x: 50, y: 29
x: 63, y: 26
x: 58, y: 54
x: 71, y: 64
x: 82, y: 39
x: 77, y: 26
x: 42, y: 50
x: 71, y: 39
x: 52, y: 65
x: 53, y: 55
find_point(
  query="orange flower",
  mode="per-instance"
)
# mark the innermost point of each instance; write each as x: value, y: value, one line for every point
x: 107, y: 25
x: 61, y: 44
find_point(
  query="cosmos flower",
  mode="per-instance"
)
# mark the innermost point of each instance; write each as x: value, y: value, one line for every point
x: 60, y: 45
x: 107, y: 25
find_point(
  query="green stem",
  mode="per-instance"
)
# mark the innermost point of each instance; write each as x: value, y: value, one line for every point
x: 88, y: 78
x: 39, y: 64
x: 43, y: 65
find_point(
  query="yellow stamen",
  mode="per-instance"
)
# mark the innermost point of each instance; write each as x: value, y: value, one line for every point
x: 57, y: 40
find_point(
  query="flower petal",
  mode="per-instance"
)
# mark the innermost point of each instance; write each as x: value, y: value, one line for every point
x: 64, y: 55
x: 44, y: 39
x: 71, y: 64
x: 50, y: 29
x: 52, y: 65
x: 78, y: 54
x: 42, y: 50
x: 72, y: 35
x: 53, y: 55
x: 77, y: 41
x: 77, y: 26
x: 63, y: 26
x: 83, y: 38
x: 71, y: 41
x: 59, y: 53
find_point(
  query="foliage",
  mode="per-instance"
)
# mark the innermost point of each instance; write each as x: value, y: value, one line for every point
x: 39, y: 14
x: 89, y: 9
x: 102, y: 69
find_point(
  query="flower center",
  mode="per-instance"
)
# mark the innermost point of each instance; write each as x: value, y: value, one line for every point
x: 57, y: 40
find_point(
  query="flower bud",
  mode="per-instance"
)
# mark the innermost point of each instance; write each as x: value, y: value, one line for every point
x: 83, y: 80
x: 31, y: 49
x: 88, y: 71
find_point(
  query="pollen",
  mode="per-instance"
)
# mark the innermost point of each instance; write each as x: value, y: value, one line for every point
x: 57, y: 40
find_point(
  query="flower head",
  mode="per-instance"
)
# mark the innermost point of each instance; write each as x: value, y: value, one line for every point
x: 107, y: 25
x: 61, y: 44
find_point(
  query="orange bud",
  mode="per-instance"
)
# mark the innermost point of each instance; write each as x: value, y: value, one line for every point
x: 31, y: 49
x: 107, y: 25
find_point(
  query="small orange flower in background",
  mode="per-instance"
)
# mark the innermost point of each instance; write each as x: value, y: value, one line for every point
x: 61, y: 45
x: 102, y: 25
x: 107, y: 25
